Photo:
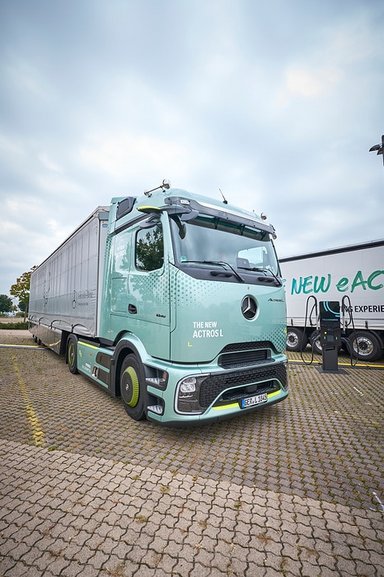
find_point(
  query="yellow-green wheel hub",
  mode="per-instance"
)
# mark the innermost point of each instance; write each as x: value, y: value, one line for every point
x: 131, y: 386
x: 71, y: 353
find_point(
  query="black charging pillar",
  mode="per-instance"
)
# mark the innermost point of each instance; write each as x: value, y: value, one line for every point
x: 330, y: 334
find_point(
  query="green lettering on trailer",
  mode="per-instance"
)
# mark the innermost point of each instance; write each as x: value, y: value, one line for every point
x: 372, y: 276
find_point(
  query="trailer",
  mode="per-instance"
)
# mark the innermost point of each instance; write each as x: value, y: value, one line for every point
x: 172, y: 301
x: 352, y: 275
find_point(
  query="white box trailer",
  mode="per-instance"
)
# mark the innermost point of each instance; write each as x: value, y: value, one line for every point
x: 352, y: 275
x: 67, y: 286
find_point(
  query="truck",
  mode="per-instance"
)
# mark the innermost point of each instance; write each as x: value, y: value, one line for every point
x: 351, y: 275
x: 172, y: 301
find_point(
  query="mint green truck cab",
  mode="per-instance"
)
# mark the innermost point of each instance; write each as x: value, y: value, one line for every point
x: 191, y: 317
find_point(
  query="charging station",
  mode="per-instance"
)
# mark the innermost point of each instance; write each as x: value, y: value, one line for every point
x: 330, y: 335
x: 332, y: 320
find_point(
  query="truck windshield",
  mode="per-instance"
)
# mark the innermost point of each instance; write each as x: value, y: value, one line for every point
x: 208, y: 240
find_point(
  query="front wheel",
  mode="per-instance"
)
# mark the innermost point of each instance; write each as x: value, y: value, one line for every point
x: 132, y: 387
x: 365, y: 345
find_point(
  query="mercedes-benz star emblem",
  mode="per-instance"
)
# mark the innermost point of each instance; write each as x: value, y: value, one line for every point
x: 248, y: 307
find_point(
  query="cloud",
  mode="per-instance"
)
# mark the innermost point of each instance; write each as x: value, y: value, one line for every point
x: 275, y: 105
x: 121, y: 156
x: 48, y: 163
x: 310, y: 83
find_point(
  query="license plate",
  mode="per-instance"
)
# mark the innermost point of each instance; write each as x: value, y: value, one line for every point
x: 255, y: 400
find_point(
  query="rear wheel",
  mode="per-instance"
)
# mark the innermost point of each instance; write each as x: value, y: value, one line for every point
x: 132, y: 387
x: 316, y: 343
x: 296, y: 339
x: 365, y: 345
x: 72, y: 354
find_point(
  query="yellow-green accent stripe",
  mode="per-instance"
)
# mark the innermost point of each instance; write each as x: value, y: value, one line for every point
x: 236, y: 405
x: 271, y: 395
x: 222, y: 407
x: 88, y: 345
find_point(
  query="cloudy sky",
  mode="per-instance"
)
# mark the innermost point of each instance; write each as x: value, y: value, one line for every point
x: 275, y: 102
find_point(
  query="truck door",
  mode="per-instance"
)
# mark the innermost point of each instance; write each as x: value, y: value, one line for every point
x: 140, y: 287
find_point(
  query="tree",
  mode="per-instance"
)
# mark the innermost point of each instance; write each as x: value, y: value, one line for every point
x: 150, y: 249
x: 21, y: 290
x: 6, y: 305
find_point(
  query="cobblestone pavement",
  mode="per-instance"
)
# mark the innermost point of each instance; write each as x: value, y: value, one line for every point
x: 294, y: 489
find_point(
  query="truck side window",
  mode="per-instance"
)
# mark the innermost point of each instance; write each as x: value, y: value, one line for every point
x: 121, y: 252
x: 149, y: 248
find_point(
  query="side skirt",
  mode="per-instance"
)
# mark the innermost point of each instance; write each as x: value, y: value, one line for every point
x: 95, y: 363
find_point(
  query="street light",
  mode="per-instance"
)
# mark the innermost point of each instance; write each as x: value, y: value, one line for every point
x: 379, y: 148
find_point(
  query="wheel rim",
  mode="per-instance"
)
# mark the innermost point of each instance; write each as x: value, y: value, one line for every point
x: 292, y: 339
x: 316, y: 344
x: 71, y: 354
x: 363, y: 346
x: 130, y: 387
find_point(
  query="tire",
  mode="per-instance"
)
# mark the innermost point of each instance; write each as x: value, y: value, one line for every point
x: 296, y: 339
x: 132, y: 387
x: 316, y: 343
x: 72, y: 354
x: 365, y: 346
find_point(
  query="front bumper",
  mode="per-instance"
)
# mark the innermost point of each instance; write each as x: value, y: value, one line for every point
x: 220, y: 393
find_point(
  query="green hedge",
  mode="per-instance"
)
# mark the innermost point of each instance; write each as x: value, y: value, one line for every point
x: 14, y: 326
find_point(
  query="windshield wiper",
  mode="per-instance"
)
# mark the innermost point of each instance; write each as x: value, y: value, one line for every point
x: 253, y: 269
x: 265, y: 271
x: 220, y: 263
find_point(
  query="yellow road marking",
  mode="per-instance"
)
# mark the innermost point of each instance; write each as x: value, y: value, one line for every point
x: 33, y: 419
x: 6, y: 346
x: 316, y: 362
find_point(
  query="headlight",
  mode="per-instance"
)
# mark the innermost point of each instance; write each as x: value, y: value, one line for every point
x: 187, y: 395
x: 188, y: 385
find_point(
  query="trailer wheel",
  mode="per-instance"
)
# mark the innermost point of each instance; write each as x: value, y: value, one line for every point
x: 72, y: 354
x: 132, y: 387
x: 365, y: 345
x: 316, y: 343
x: 296, y: 339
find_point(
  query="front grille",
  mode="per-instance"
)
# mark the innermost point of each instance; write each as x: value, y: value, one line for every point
x: 242, y: 359
x: 214, y: 385
x: 249, y: 346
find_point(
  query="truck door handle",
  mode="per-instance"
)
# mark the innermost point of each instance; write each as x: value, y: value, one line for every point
x: 132, y: 309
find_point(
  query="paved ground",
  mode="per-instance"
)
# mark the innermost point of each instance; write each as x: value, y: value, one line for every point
x: 295, y: 489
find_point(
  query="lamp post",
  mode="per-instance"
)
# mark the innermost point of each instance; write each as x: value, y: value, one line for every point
x: 379, y: 148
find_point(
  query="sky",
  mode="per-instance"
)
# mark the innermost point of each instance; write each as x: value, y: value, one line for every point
x: 275, y: 103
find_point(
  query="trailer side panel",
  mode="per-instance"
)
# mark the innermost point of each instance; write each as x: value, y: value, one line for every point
x: 65, y: 287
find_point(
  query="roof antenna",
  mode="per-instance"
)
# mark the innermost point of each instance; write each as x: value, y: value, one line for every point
x: 165, y: 185
x: 225, y: 201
